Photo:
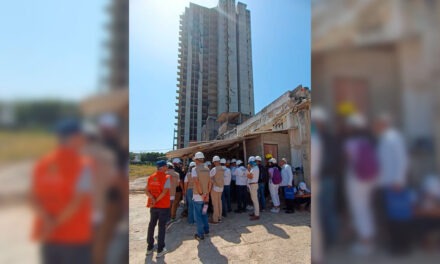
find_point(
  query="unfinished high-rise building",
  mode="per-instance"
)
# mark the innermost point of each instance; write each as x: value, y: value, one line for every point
x: 215, y: 83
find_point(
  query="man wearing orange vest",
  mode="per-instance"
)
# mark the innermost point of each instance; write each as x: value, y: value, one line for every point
x: 158, y: 192
x: 60, y: 197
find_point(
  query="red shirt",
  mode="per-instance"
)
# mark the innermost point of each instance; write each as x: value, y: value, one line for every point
x: 156, y: 183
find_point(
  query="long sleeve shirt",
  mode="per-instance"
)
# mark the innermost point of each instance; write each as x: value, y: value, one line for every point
x: 393, y: 159
x: 287, y: 175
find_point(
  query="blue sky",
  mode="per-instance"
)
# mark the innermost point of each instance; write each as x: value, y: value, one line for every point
x: 51, y: 48
x: 281, y: 60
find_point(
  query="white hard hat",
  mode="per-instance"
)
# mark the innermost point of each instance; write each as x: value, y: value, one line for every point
x: 318, y: 114
x: 258, y: 158
x: 177, y: 160
x: 215, y: 158
x: 222, y: 161
x: 199, y: 155
x: 357, y: 121
x: 251, y: 159
x: 192, y: 164
x: 169, y: 164
x: 239, y: 162
x: 233, y: 160
x: 273, y: 160
x: 208, y: 163
x: 108, y: 120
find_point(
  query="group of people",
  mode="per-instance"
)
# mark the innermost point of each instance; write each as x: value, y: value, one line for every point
x: 210, y: 187
x: 362, y: 170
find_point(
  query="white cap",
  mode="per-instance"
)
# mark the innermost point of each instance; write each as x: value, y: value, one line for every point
x: 251, y: 159
x: 302, y: 186
x: 169, y: 164
x: 318, y: 114
x: 273, y: 160
x: 177, y: 160
x: 108, y: 120
x: 284, y: 159
x: 199, y: 155
x: 222, y: 161
x: 215, y: 158
x: 233, y: 160
x: 258, y: 158
x: 208, y: 163
x: 357, y: 121
x: 192, y: 164
x: 239, y: 162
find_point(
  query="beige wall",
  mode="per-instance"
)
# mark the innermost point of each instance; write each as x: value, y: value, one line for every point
x: 378, y: 66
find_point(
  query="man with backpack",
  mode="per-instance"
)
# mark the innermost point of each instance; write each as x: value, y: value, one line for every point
x: 262, y: 181
x: 274, y: 183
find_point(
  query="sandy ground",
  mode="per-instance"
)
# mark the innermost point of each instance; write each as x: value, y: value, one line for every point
x: 281, y: 237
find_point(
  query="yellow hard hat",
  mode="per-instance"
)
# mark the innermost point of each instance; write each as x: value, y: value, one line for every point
x: 346, y: 108
x: 268, y: 156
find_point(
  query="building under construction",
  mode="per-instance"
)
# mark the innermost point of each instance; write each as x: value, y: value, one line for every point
x: 215, y: 82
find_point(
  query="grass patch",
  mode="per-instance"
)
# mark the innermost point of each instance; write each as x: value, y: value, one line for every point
x: 137, y: 171
x: 24, y: 145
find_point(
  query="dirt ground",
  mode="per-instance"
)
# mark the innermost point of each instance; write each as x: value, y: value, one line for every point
x: 281, y: 237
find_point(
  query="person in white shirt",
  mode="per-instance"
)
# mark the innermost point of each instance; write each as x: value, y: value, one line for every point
x: 273, y: 188
x: 287, y: 175
x: 226, y: 195
x: 217, y: 179
x: 241, y: 181
x: 253, y: 174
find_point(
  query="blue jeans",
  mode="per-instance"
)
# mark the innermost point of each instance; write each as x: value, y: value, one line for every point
x: 261, y: 197
x: 190, y: 204
x: 201, y: 219
x: 226, y: 199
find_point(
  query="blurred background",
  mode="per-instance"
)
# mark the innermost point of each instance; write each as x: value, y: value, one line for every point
x: 376, y: 80
x: 64, y: 61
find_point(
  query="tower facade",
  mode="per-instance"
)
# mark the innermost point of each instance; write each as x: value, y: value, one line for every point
x: 215, y: 70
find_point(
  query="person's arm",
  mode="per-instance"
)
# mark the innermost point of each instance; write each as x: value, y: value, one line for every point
x: 153, y: 200
x: 83, y: 190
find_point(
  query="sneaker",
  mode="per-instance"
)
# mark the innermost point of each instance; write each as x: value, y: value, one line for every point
x: 161, y: 253
x: 198, y: 238
x: 207, y: 233
x: 249, y: 207
x: 149, y: 251
x: 275, y: 210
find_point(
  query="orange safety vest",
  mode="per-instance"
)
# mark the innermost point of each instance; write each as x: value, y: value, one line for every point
x: 54, y: 184
x: 155, y: 185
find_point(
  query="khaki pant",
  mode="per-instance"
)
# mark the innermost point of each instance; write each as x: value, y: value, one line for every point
x: 175, y: 204
x: 217, y: 205
x: 254, y: 196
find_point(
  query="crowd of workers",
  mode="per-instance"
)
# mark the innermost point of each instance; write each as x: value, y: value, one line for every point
x: 209, y: 188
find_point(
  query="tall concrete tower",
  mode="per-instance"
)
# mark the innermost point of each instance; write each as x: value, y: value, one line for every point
x: 215, y: 83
